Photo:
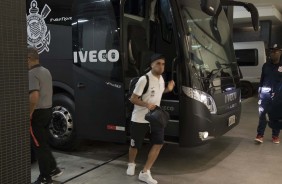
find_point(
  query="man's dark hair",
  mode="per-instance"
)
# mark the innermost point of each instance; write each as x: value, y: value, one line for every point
x: 275, y: 48
x: 32, y: 53
x: 156, y: 56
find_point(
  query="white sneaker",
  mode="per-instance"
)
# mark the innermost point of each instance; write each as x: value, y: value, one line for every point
x: 131, y: 169
x: 147, y: 177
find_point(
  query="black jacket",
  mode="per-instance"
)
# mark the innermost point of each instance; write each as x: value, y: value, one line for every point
x: 271, y: 76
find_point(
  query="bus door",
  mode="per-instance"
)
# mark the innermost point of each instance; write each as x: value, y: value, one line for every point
x: 99, y: 90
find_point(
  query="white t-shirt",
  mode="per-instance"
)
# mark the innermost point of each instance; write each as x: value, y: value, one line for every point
x: 152, y: 96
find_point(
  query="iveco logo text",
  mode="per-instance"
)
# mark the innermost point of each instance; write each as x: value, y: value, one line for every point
x: 95, y: 56
x: 168, y: 108
x: 230, y: 97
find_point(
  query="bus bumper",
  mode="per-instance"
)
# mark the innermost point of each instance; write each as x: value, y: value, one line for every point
x: 196, y: 122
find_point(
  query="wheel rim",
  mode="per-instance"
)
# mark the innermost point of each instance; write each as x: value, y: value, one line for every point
x: 61, y: 126
x: 245, y: 90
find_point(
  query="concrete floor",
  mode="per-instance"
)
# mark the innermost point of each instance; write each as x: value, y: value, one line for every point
x: 231, y: 159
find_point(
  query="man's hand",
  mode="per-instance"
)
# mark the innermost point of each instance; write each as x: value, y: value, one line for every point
x: 151, y: 106
x: 272, y: 95
x: 170, y: 86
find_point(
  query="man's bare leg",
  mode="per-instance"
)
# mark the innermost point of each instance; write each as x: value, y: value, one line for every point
x: 152, y: 156
x: 132, y: 154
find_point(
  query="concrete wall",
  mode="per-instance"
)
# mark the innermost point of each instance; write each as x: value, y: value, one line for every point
x: 14, y: 111
x: 244, y: 34
x: 277, y: 35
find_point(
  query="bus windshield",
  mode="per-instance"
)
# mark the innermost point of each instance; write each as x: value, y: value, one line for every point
x: 210, y: 44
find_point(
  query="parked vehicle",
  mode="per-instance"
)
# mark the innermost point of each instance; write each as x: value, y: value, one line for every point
x: 250, y: 57
x: 97, y: 49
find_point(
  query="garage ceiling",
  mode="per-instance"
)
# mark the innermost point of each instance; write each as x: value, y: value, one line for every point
x: 276, y: 3
x: 268, y: 10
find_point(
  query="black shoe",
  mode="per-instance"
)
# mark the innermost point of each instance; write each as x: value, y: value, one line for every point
x: 56, y: 173
x: 42, y: 180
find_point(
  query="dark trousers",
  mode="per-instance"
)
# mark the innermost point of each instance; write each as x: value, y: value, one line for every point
x: 40, y: 122
x: 264, y: 108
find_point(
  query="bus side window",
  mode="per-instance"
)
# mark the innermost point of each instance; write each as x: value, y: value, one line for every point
x: 97, y: 37
x: 166, y: 21
x: 135, y: 7
x: 164, y: 34
x: 247, y: 57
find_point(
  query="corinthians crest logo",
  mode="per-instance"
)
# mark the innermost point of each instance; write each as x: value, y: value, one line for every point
x: 37, y: 33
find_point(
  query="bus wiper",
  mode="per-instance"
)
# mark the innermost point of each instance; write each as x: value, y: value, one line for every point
x: 213, y: 75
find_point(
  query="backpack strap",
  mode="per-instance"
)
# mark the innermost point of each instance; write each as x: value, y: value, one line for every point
x: 147, y: 85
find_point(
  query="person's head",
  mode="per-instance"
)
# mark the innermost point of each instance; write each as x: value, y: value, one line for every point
x: 157, y: 64
x: 32, y: 56
x: 275, y: 54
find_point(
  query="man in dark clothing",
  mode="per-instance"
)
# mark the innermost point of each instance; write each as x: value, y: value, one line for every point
x: 270, y: 78
x: 40, y: 98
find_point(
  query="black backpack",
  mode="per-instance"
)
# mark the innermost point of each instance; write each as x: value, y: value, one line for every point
x: 132, y: 85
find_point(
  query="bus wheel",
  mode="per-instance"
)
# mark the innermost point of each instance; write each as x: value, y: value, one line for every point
x: 62, y: 132
x: 246, y: 89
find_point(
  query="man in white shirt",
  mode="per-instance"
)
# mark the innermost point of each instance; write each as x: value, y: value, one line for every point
x: 140, y: 127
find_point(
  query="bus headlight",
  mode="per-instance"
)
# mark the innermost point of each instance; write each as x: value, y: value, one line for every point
x: 203, y: 135
x: 202, y: 97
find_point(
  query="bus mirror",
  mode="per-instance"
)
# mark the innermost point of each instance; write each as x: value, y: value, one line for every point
x: 249, y: 7
x: 254, y: 14
x: 210, y: 7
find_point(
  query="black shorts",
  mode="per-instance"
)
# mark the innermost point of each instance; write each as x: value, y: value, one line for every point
x: 140, y: 130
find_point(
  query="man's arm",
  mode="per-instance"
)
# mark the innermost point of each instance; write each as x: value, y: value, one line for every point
x: 137, y: 101
x: 262, y: 75
x: 261, y: 79
x: 167, y: 90
x: 33, y: 101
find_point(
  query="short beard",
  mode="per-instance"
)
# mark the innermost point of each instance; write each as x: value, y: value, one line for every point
x: 156, y: 73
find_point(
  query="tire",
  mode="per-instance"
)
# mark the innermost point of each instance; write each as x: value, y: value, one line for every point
x: 62, y: 128
x: 246, y: 89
